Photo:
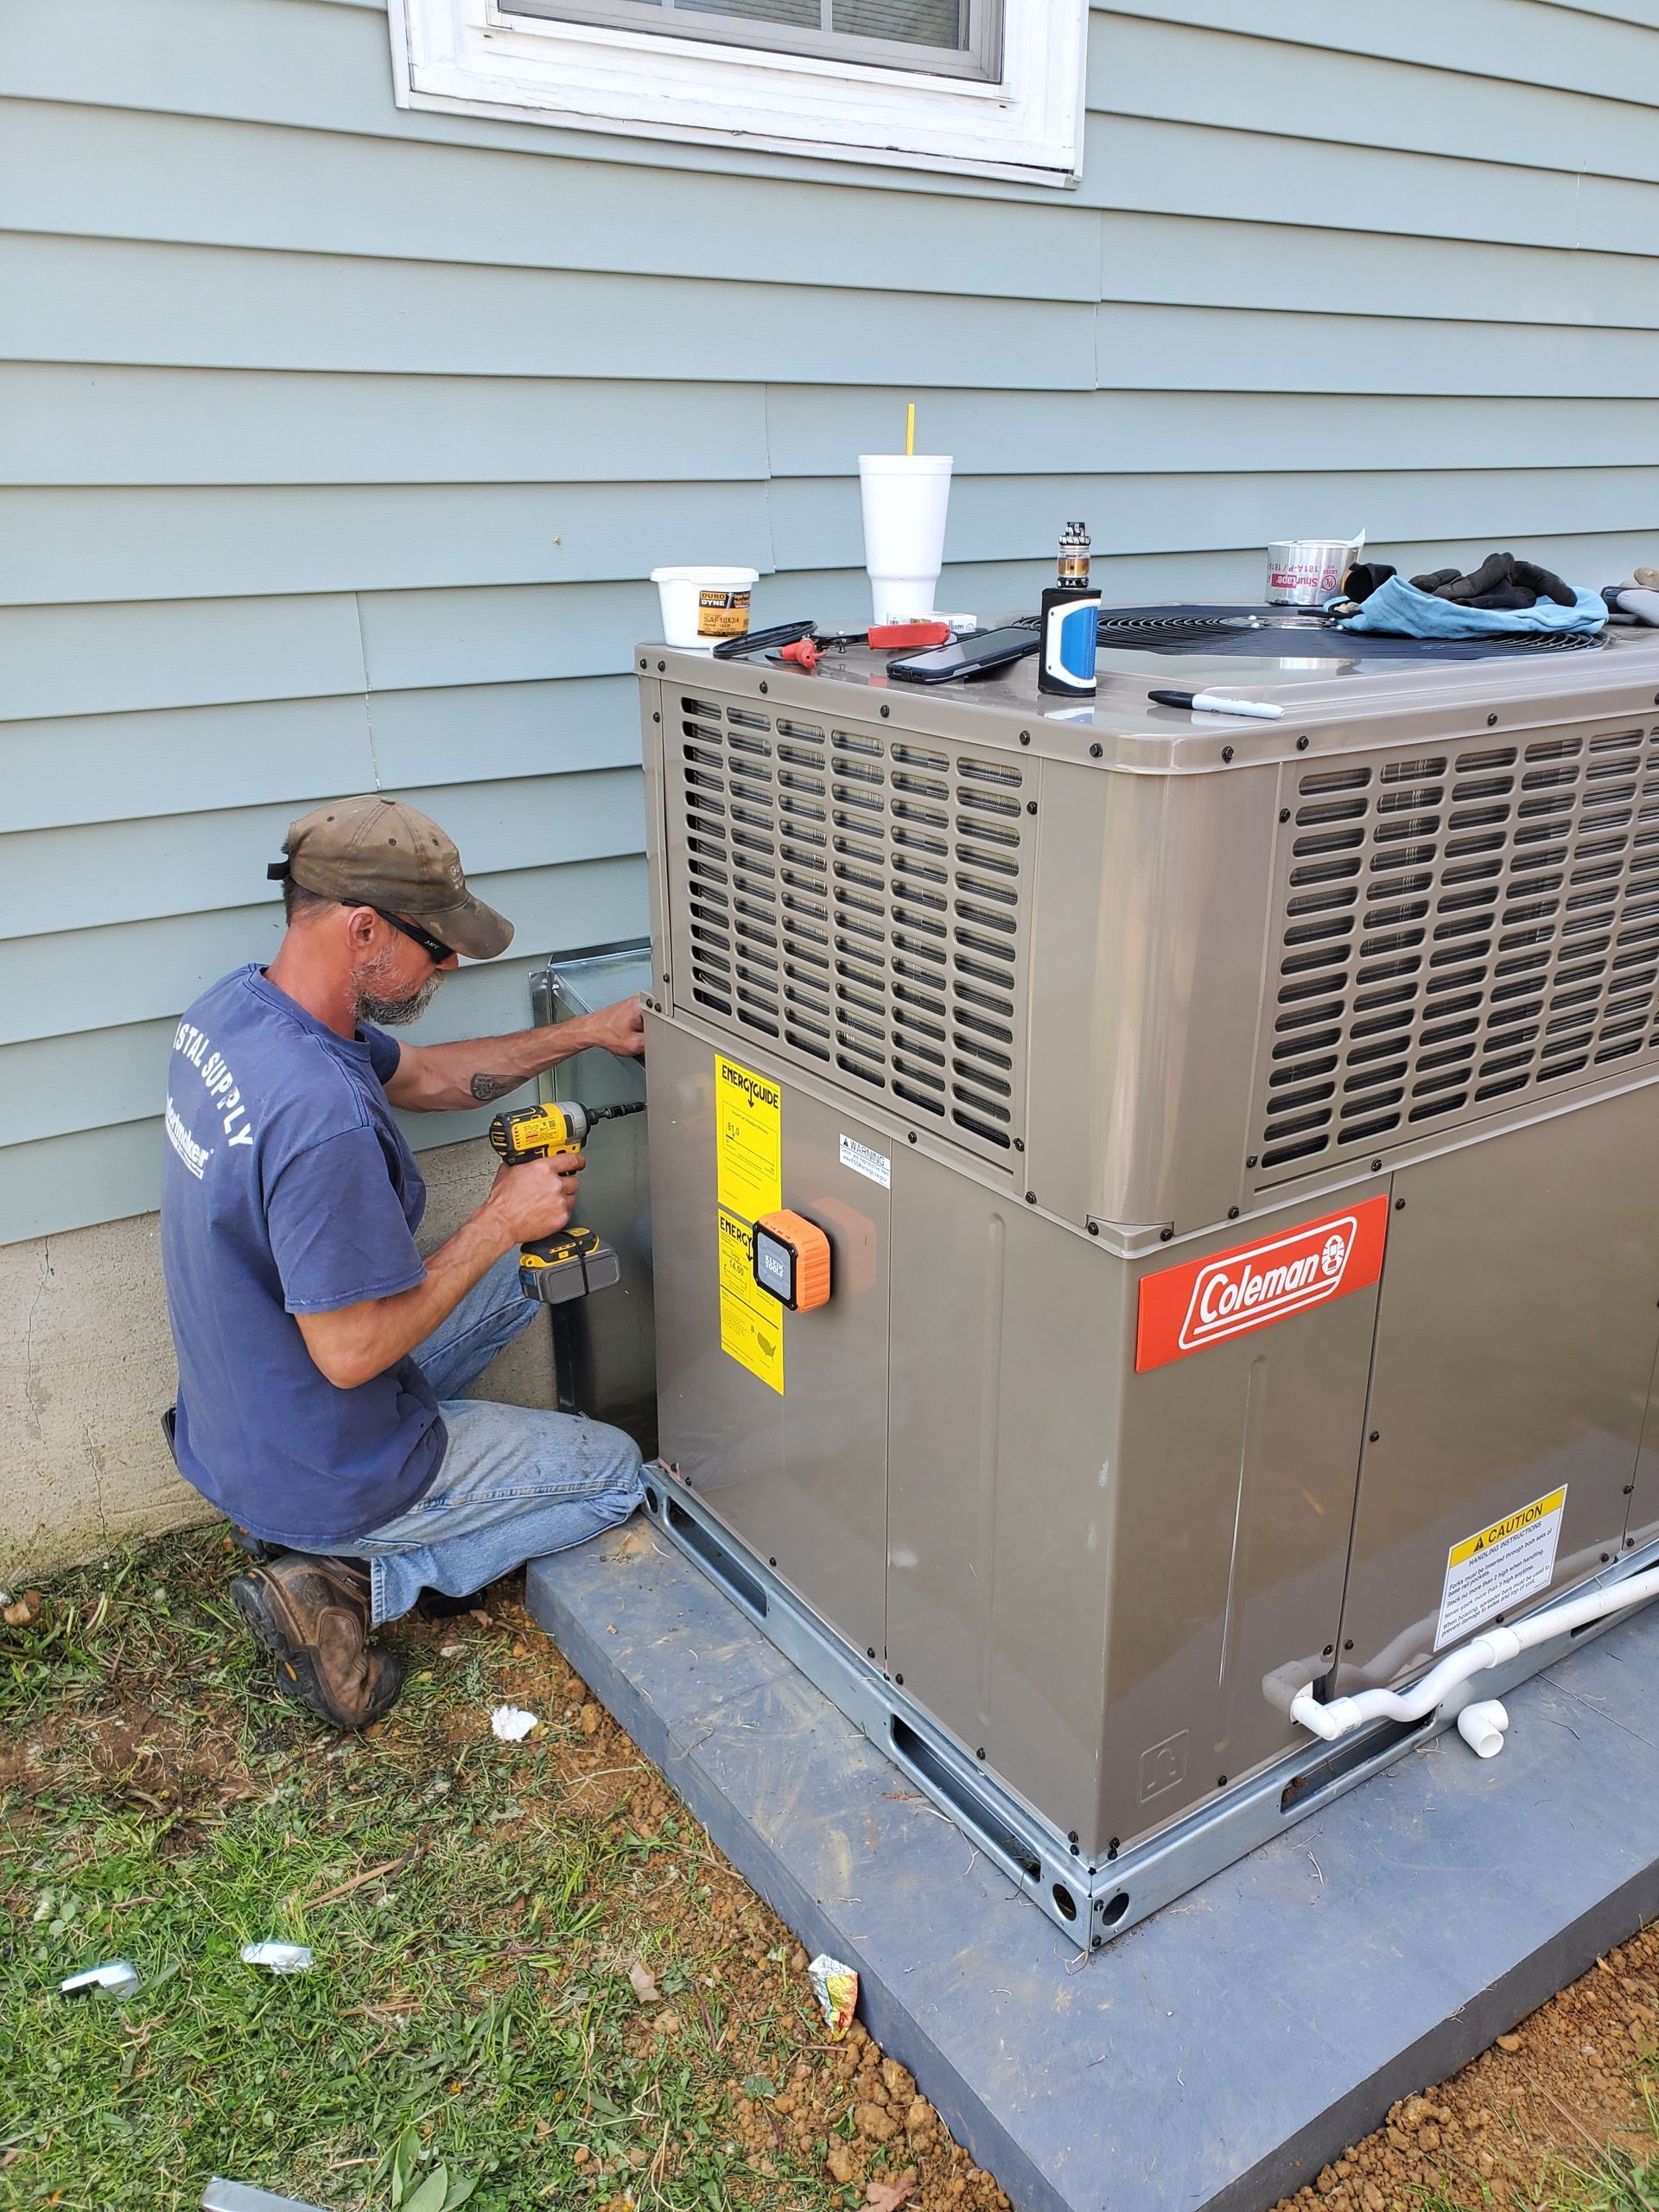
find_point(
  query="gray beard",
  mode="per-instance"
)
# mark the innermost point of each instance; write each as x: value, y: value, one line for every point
x: 391, y: 1014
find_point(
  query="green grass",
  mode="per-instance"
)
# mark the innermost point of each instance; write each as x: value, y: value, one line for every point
x: 467, y: 2011
x: 1617, y: 2181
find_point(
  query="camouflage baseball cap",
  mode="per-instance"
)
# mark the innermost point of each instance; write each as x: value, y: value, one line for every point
x: 381, y: 853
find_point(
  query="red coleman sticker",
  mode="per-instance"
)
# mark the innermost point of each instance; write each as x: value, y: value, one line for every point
x: 1183, y: 1309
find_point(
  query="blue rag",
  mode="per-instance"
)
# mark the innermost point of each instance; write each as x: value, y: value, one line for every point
x: 1399, y: 610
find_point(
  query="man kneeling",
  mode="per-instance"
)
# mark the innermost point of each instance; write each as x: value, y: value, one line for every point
x: 321, y: 1358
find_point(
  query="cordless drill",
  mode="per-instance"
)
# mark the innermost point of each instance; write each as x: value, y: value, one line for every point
x: 574, y: 1261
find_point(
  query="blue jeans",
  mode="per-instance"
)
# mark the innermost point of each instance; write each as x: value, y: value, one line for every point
x: 514, y: 1482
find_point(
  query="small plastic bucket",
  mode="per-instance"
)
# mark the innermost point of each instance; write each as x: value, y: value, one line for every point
x: 700, y: 606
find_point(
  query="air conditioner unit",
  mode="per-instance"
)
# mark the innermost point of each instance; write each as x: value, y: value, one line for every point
x: 1237, y: 1150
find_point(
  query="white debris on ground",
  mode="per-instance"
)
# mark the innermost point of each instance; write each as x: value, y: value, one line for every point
x: 281, y: 1958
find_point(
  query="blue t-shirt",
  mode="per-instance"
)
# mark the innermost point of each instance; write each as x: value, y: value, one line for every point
x: 286, y: 1188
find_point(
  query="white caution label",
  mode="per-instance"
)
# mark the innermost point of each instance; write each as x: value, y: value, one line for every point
x: 1493, y: 1570
x: 864, y: 1160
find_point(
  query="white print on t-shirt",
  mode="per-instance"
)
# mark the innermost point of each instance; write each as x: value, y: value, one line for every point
x: 195, y: 1156
x: 222, y: 1091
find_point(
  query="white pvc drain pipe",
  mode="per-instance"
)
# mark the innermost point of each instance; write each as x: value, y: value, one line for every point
x: 1495, y: 1647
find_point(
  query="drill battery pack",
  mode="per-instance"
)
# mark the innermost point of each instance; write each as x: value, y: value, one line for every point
x: 570, y: 1265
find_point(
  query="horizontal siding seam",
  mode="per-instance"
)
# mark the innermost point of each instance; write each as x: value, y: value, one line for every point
x: 1346, y: 141
x: 804, y: 277
x: 1424, y: 321
x: 1349, y: 52
x: 1599, y: 248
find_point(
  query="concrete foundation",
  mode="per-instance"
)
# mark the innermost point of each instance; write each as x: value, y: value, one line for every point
x: 1218, y: 2055
x: 86, y: 1367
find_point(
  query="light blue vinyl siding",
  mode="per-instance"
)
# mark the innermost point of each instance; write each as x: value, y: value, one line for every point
x: 336, y: 442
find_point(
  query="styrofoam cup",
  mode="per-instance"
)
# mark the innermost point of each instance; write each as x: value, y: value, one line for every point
x: 701, y: 605
x: 904, y: 497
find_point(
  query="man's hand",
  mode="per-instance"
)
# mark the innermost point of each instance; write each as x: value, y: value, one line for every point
x: 620, y: 1029
x: 353, y: 1343
x: 535, y: 1199
x: 439, y: 1078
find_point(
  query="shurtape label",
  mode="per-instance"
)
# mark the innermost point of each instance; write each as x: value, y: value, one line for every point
x: 1184, y: 1310
x: 1497, y: 1568
x: 864, y: 1160
x: 748, y: 1182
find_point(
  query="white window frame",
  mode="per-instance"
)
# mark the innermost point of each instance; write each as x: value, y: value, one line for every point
x: 471, y: 57
x: 692, y: 18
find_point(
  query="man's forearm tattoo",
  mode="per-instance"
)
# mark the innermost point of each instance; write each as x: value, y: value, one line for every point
x: 486, y: 1087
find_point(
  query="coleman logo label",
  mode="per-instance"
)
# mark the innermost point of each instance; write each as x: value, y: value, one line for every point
x: 1184, y: 1309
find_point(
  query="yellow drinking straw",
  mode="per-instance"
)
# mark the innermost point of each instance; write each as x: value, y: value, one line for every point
x: 910, y: 430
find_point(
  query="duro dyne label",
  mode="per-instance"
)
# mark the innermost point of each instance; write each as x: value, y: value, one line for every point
x: 1493, y: 1570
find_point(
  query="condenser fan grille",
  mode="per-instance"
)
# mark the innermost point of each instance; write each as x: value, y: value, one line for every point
x: 1458, y: 929
x: 861, y: 900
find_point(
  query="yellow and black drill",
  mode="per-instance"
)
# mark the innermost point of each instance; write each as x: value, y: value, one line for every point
x: 575, y: 1260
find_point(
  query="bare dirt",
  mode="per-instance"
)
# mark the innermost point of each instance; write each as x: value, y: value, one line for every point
x: 1572, y: 2087
x: 897, y: 2150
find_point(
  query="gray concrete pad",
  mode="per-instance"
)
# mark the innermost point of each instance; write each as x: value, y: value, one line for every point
x: 1220, y: 2053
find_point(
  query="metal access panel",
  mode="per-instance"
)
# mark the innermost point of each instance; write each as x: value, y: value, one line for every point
x: 1237, y: 1145
x: 784, y: 1433
x: 1515, y: 1356
x: 1035, y: 1477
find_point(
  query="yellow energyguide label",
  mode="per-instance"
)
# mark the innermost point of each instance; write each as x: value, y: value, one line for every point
x: 1497, y: 1566
x: 748, y: 1182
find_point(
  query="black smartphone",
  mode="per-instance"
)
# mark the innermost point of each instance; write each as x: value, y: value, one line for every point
x: 975, y: 655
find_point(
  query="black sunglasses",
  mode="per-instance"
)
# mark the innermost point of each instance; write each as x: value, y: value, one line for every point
x: 437, y: 953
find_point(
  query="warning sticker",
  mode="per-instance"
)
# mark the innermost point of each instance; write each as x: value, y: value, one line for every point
x: 749, y: 1182
x: 1497, y: 1568
x: 864, y: 1160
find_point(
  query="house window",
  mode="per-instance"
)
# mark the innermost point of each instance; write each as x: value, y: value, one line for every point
x: 983, y: 87
x: 953, y: 38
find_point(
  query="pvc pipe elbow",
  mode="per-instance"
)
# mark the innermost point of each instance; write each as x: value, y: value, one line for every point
x: 1482, y: 1725
x: 1330, y: 1721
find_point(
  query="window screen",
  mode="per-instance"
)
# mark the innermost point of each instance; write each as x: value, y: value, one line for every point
x: 945, y: 37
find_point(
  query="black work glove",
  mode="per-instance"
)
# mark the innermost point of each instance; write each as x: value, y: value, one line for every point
x: 1362, y: 579
x: 1480, y: 588
x: 1544, y: 583
x: 1501, y: 585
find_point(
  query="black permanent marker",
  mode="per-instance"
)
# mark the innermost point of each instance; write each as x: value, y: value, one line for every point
x: 1211, y: 702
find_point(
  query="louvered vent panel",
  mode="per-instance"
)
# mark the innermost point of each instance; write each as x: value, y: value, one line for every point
x: 861, y: 902
x: 1459, y: 929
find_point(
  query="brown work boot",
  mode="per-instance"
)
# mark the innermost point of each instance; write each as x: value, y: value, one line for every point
x: 312, y: 1614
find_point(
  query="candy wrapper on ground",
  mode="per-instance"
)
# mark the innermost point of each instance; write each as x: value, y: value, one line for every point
x: 281, y: 1958
x: 115, y: 1978
x: 835, y: 1986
